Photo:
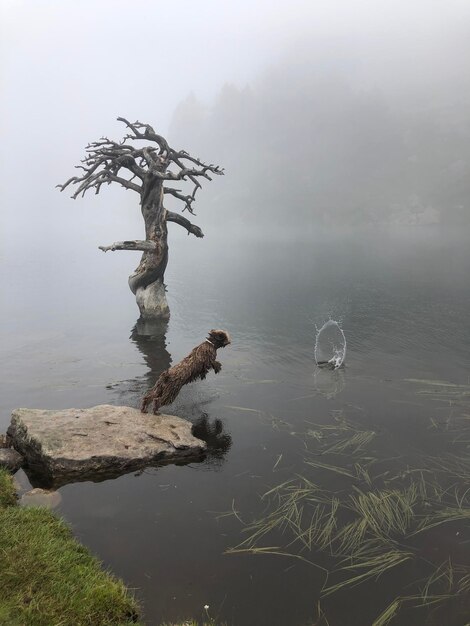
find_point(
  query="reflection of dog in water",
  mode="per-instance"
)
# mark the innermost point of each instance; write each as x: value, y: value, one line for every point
x: 196, y: 365
x: 212, y: 432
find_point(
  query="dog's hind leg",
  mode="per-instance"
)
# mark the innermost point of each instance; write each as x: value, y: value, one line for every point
x: 145, y: 402
x: 156, y: 405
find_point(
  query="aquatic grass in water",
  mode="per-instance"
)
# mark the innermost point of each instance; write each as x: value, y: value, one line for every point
x: 442, y: 391
x: 386, y: 512
x: 373, y: 522
x: 357, y: 442
x: 341, y: 437
x: 371, y: 566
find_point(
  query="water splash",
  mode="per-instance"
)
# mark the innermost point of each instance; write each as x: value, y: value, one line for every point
x: 330, y: 345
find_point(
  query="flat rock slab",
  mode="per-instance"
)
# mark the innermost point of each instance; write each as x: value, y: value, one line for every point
x: 101, y: 442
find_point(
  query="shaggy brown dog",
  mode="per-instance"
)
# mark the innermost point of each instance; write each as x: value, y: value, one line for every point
x: 195, y: 365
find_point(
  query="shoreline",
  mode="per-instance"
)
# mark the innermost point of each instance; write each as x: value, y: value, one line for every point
x: 48, y: 577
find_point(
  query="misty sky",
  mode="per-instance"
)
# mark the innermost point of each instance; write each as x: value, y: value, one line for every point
x: 69, y: 68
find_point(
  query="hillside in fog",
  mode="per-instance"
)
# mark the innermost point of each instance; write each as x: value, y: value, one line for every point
x: 330, y: 140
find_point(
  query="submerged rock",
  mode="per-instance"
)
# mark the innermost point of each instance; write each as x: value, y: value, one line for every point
x: 10, y: 459
x: 100, y: 442
x: 41, y: 497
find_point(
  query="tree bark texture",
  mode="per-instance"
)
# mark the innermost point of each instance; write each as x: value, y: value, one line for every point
x: 146, y: 282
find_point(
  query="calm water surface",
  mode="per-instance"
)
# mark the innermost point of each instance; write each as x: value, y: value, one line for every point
x: 69, y: 339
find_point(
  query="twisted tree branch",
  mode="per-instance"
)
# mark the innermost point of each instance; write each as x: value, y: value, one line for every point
x: 148, y: 134
x: 188, y: 200
x: 106, y: 158
x: 182, y: 221
x: 137, y: 244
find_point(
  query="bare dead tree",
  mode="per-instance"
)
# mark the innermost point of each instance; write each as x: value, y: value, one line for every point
x: 148, y: 167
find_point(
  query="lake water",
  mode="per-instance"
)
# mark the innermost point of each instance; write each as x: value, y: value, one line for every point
x: 403, y: 301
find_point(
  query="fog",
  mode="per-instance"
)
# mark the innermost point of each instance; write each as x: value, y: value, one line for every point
x: 330, y: 118
x: 324, y: 114
x: 344, y: 131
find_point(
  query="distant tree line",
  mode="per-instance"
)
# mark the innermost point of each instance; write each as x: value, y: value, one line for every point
x: 309, y: 148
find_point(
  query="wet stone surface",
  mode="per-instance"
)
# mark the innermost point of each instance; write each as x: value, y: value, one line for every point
x: 10, y: 459
x: 101, y: 442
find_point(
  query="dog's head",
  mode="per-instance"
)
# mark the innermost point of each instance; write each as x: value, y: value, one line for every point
x: 219, y: 338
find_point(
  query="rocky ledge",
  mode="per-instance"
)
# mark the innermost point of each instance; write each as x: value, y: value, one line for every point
x: 101, y: 442
x: 10, y: 459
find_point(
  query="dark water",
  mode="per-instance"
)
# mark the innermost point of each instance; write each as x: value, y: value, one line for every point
x: 68, y: 339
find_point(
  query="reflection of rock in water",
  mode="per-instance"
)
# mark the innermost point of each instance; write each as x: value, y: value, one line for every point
x: 329, y: 383
x: 330, y: 345
x: 218, y: 442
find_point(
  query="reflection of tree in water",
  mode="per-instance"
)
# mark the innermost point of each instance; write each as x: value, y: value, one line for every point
x: 150, y: 339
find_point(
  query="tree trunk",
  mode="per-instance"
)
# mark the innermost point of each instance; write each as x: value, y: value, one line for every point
x: 147, y: 280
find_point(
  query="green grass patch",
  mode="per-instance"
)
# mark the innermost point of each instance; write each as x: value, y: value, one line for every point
x: 7, y: 489
x: 47, y: 578
x: 192, y: 623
